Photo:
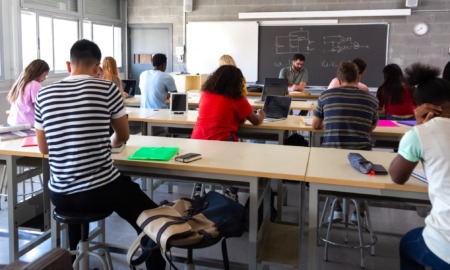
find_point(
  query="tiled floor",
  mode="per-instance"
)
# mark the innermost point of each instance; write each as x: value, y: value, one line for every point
x: 389, y: 225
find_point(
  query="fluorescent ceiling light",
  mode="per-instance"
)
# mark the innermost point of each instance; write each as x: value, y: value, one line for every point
x: 297, y: 22
x: 326, y: 14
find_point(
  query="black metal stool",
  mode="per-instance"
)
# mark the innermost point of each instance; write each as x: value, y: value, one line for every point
x: 84, y: 250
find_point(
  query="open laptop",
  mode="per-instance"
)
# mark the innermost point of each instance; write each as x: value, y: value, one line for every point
x: 276, y: 108
x: 274, y: 87
x: 129, y: 87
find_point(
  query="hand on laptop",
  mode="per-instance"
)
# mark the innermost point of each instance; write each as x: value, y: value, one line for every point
x: 261, y: 112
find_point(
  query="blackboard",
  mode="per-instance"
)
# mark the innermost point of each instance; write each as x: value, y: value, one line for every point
x: 324, y: 47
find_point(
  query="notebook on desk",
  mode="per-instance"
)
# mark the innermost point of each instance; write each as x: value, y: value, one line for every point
x: 276, y: 108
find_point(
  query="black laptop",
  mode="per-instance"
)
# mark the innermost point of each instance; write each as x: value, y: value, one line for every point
x: 129, y: 87
x: 276, y: 108
x: 274, y: 87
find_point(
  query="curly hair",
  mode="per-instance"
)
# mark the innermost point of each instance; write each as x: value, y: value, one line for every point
x: 226, y: 80
x: 429, y: 87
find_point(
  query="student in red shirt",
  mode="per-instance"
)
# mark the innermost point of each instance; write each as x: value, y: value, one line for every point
x: 223, y: 107
x: 394, y: 96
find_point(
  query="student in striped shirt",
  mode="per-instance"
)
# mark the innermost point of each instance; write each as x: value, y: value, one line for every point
x: 348, y: 114
x: 73, y: 117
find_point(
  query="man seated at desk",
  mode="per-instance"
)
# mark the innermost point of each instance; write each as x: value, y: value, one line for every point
x: 73, y: 117
x: 296, y: 74
x: 156, y: 85
x: 348, y: 114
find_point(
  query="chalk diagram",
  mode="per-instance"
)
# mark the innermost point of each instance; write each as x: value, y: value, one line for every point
x: 294, y: 42
x: 338, y: 44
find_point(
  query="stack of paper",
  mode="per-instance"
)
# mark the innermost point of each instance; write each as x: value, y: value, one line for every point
x: 14, y: 132
x: 420, y: 174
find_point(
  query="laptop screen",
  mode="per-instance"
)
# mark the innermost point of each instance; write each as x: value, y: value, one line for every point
x: 129, y: 87
x: 277, y: 106
x: 275, y: 81
x: 274, y: 90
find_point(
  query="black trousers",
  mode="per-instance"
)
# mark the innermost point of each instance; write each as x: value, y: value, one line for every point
x: 122, y: 196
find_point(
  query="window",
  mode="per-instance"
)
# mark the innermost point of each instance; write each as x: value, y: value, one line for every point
x: 50, y: 27
x: 2, y: 76
x: 107, y: 37
x: 48, y: 39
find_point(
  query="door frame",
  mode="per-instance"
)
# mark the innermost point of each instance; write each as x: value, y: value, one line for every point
x: 167, y: 26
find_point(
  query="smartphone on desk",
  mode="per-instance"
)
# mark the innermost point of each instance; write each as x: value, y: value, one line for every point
x: 379, y: 169
x: 189, y: 157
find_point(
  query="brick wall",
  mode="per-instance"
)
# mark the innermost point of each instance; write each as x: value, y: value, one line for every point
x: 404, y: 47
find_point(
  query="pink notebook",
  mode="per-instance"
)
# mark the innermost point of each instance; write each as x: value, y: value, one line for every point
x: 29, y: 141
x: 386, y: 123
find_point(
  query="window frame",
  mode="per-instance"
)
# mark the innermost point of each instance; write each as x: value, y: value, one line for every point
x: 80, y: 17
x: 2, y: 47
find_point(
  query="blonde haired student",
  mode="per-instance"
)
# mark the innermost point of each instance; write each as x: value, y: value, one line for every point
x: 228, y: 60
x: 111, y: 73
x: 23, y: 93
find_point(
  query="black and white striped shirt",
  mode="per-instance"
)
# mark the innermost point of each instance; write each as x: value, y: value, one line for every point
x: 75, y: 114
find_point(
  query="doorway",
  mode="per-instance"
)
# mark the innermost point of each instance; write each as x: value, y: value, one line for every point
x: 144, y: 41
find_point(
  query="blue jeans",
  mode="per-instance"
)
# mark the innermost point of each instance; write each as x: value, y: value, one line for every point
x: 415, y: 255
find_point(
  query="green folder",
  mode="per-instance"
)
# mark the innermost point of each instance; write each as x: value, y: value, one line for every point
x: 154, y: 153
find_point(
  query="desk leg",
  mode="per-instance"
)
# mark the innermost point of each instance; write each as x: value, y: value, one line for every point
x: 253, y: 226
x: 46, y: 194
x: 144, y: 127
x: 11, y: 170
x: 312, y: 232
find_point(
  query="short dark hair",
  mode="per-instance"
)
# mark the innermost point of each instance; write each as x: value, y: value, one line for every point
x: 159, y: 59
x: 347, y: 72
x: 298, y: 56
x: 429, y: 87
x: 227, y: 81
x: 85, y: 52
x: 361, y: 64
x: 446, y: 72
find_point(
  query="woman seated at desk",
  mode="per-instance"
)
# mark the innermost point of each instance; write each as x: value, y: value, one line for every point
x: 223, y: 107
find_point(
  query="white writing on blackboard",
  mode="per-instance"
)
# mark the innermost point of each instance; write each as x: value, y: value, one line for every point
x: 328, y: 64
x: 294, y: 42
x: 338, y: 44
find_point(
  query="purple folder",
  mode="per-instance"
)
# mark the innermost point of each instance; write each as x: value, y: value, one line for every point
x: 407, y: 122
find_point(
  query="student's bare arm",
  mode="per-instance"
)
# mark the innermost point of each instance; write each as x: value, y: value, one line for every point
x: 121, y: 131
x: 317, y: 123
x: 401, y: 169
x: 42, y: 142
x: 257, y: 118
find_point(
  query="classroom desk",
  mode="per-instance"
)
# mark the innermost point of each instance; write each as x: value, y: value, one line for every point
x: 19, y: 212
x: 295, y: 95
x: 164, y: 118
x: 230, y: 163
x: 340, y: 178
x: 194, y: 97
x: 379, y: 133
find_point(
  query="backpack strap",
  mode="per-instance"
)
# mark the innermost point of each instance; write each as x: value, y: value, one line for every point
x: 139, y: 242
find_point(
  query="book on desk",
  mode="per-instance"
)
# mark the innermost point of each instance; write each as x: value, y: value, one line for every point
x: 15, y: 132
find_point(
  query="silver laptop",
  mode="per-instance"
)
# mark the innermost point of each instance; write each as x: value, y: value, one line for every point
x: 276, y: 108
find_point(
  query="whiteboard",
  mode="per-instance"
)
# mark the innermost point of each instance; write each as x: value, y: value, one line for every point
x: 207, y: 41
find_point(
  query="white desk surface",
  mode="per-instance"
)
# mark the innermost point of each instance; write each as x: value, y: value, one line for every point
x: 14, y: 148
x: 397, y: 131
x: 164, y: 116
x: 234, y: 158
x: 194, y: 97
x: 331, y: 166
